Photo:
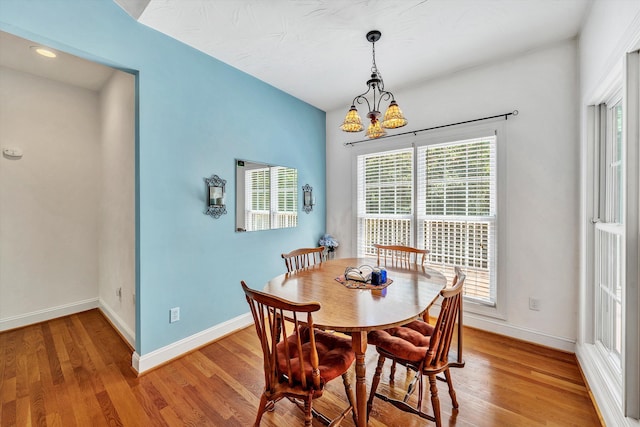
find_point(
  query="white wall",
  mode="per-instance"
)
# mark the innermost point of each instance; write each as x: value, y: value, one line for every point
x: 609, y: 31
x: 538, y: 230
x: 67, y: 207
x: 48, y: 199
x: 116, y: 243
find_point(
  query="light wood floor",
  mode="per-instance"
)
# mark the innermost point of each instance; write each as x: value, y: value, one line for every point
x: 75, y: 371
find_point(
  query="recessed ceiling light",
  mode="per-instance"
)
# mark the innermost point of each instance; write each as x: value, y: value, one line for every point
x: 44, y: 51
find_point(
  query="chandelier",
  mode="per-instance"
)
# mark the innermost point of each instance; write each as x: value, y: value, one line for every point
x: 393, y: 117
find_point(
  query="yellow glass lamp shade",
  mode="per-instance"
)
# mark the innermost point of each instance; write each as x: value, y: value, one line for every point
x: 393, y: 118
x: 375, y: 130
x: 352, y: 122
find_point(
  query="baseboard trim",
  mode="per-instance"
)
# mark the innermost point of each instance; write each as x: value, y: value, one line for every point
x: 518, y: 332
x: 177, y: 349
x: 601, y: 388
x: 125, y: 332
x: 158, y: 357
x: 47, y: 314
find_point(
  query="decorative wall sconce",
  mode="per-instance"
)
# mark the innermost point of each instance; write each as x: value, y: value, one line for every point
x: 307, y: 198
x: 215, y: 196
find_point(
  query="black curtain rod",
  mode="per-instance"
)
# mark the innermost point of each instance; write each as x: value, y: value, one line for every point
x: 506, y: 116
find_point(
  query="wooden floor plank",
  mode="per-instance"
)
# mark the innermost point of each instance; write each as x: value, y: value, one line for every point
x: 23, y: 411
x: 75, y: 371
x: 151, y: 402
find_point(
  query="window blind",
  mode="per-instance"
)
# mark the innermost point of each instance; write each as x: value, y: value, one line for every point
x: 258, y: 196
x: 456, y: 213
x: 444, y: 201
x: 385, y: 199
x: 285, y: 196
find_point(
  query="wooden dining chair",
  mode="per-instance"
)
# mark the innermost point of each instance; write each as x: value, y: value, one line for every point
x: 303, y: 258
x: 300, y: 362
x: 422, y: 348
x: 400, y: 255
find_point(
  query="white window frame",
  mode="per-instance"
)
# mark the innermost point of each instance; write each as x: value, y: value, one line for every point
x: 631, y: 207
x: 457, y: 133
x: 605, y: 226
x: 620, y: 404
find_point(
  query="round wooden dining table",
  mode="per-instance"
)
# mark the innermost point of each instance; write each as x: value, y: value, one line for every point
x: 409, y: 292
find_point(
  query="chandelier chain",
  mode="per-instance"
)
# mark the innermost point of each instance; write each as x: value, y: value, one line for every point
x: 374, y: 67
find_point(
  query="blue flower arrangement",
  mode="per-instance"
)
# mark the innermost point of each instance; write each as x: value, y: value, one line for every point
x: 328, y: 242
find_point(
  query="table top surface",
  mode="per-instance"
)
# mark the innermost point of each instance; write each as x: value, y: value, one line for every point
x: 343, y: 309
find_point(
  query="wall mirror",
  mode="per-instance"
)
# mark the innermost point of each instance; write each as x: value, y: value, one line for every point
x: 266, y: 196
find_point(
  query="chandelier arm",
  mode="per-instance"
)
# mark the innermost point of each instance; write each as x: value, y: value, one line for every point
x: 384, y: 95
x: 359, y: 99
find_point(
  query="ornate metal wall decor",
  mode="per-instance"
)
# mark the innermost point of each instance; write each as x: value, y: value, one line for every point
x: 215, y: 194
x: 307, y: 198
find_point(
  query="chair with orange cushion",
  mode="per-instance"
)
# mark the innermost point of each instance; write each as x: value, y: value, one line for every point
x: 422, y: 348
x: 405, y: 257
x: 300, y: 362
x: 303, y: 258
x: 400, y: 255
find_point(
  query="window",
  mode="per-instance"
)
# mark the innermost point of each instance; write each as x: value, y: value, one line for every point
x: 610, y: 309
x: 609, y: 237
x: 457, y: 210
x: 385, y: 200
x: 441, y: 197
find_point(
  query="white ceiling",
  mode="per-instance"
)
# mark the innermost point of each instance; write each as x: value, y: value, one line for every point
x: 316, y: 50
x: 16, y: 53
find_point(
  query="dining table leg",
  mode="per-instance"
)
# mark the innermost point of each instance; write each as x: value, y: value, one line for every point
x: 359, y: 344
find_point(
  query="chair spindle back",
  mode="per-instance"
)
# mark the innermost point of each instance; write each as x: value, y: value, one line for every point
x: 400, y: 255
x: 273, y: 317
x: 303, y: 258
x: 445, y: 325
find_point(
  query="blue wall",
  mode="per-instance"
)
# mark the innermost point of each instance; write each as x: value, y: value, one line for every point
x: 196, y: 116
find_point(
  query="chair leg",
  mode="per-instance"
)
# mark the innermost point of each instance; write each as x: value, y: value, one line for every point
x: 435, y: 401
x: 350, y: 396
x: 420, y: 390
x: 412, y: 385
x: 392, y: 373
x: 452, y: 392
x: 374, y: 384
x: 261, y: 409
x: 307, y: 411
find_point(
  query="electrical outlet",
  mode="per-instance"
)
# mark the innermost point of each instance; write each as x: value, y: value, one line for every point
x: 174, y: 314
x: 534, y: 304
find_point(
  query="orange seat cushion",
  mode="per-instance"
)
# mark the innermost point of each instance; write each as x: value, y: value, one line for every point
x: 335, y: 355
x: 409, y: 342
x: 421, y: 326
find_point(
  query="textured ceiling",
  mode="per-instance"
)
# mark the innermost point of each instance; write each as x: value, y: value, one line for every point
x: 316, y: 49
